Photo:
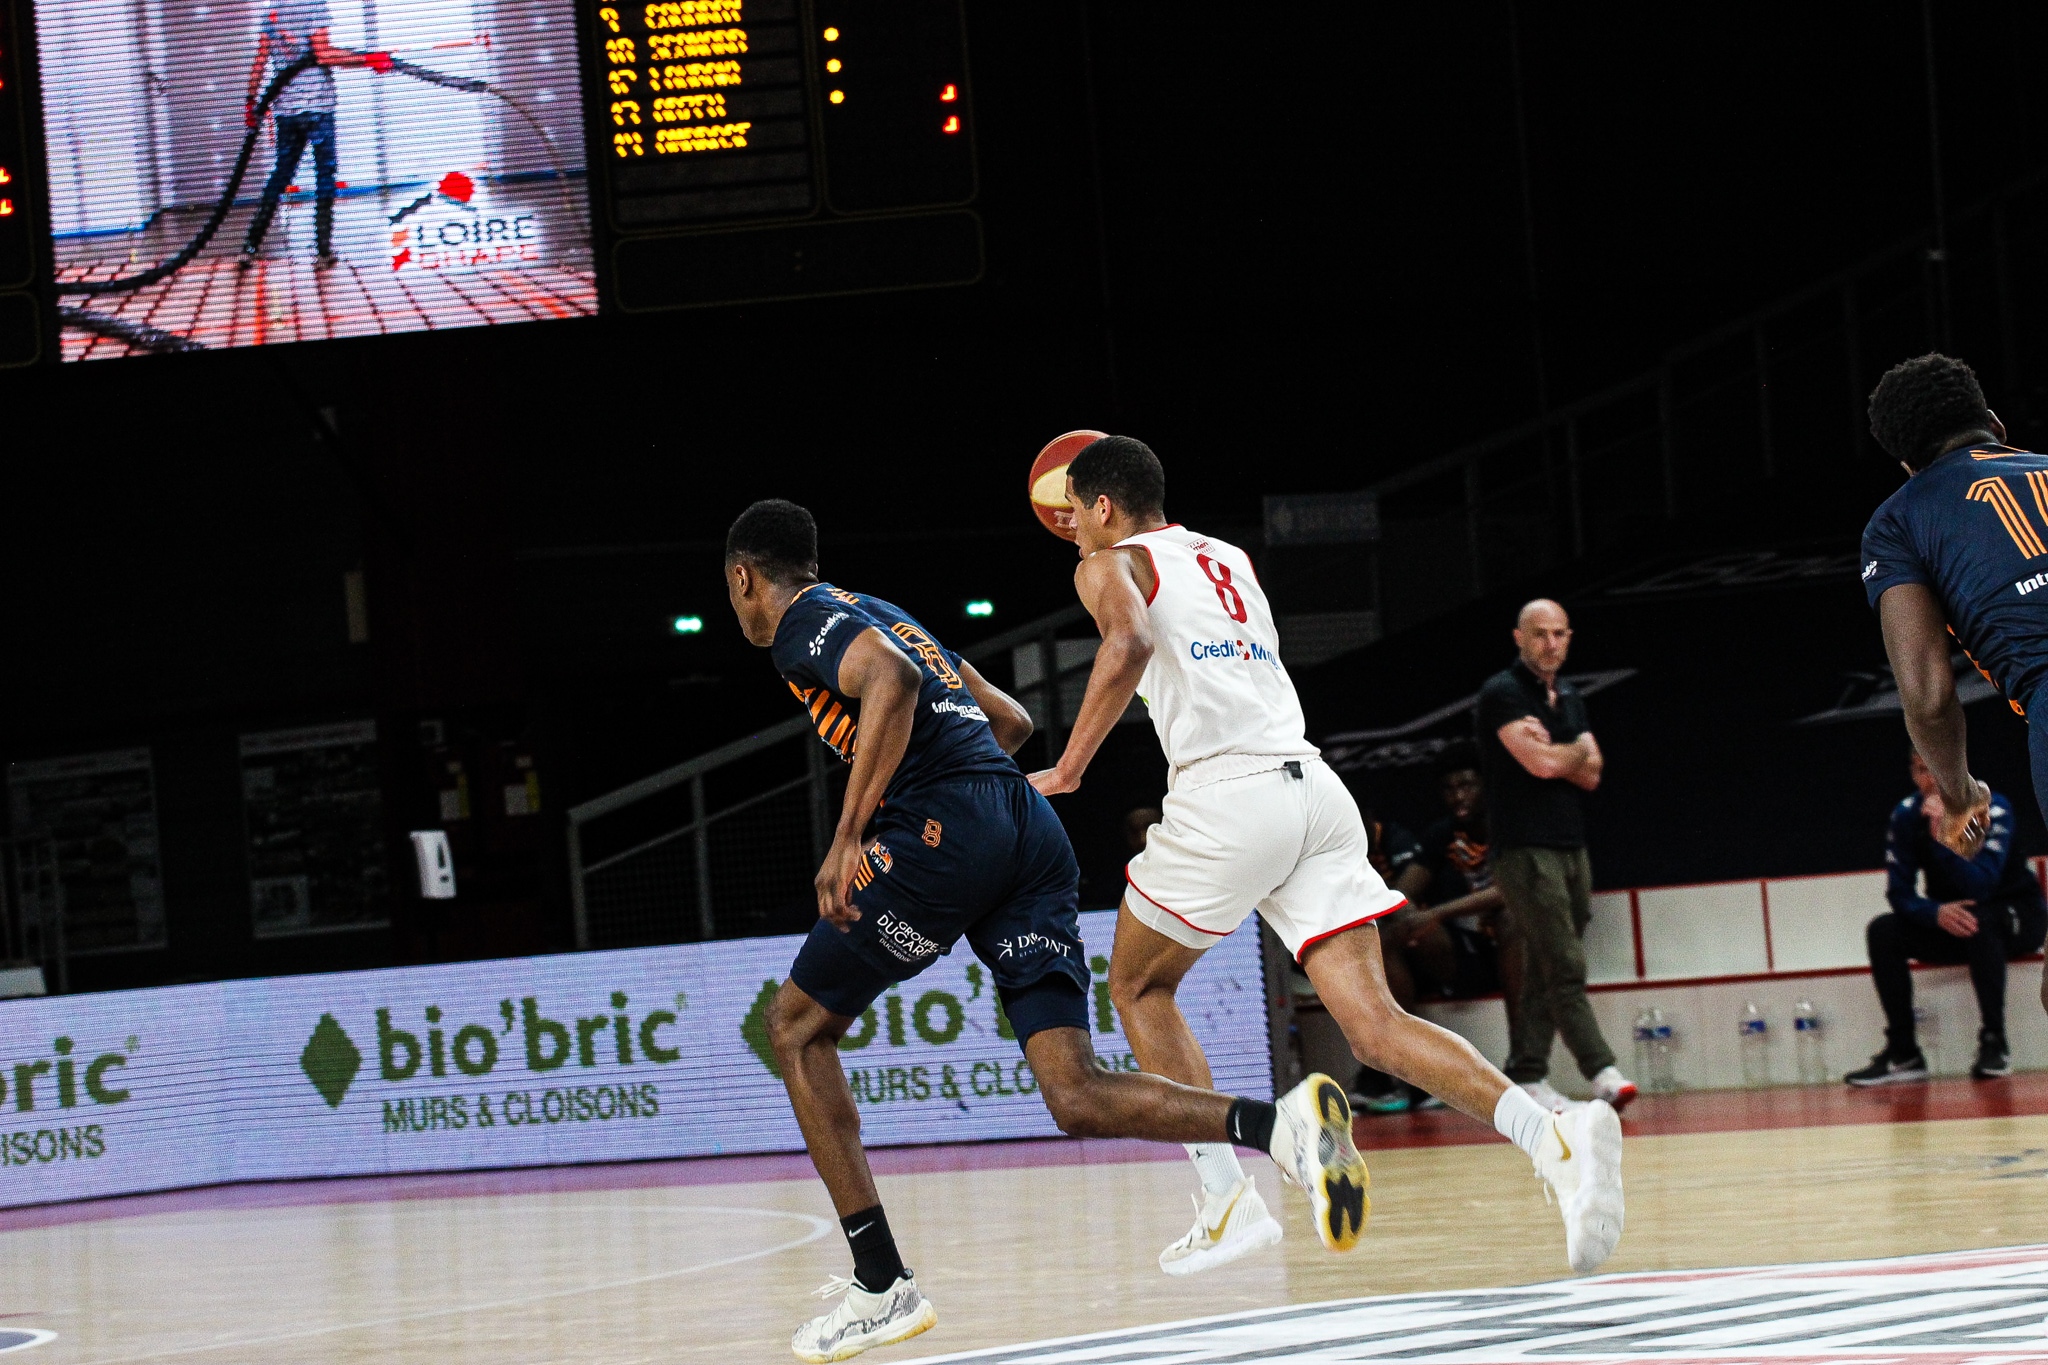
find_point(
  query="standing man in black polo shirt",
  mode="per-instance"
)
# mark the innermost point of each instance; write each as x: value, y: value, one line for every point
x: 1539, y: 756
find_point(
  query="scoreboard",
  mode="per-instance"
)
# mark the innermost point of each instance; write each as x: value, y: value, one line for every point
x: 177, y: 177
x: 719, y: 111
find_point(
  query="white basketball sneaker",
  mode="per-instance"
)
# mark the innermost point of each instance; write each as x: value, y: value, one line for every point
x: 1312, y: 1147
x: 1581, y: 1159
x: 1615, y: 1088
x: 1227, y: 1226
x: 862, y: 1321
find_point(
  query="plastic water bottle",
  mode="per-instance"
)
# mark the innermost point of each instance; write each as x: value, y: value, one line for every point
x: 1661, y: 1078
x: 1811, y: 1044
x: 1754, y: 1033
x: 1646, y: 1049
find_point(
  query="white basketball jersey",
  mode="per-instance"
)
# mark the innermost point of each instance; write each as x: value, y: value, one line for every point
x: 1215, y: 684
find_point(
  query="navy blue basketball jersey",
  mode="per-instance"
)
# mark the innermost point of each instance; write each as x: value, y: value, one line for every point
x: 1973, y: 526
x: 950, y: 737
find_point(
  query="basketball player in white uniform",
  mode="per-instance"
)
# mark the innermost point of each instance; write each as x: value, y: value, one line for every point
x: 1254, y: 818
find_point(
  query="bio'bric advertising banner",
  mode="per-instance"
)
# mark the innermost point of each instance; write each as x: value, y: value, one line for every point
x: 644, y: 1053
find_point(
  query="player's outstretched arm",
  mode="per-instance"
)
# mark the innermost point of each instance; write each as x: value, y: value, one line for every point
x: 327, y: 54
x: 1107, y: 584
x: 1007, y: 718
x: 885, y: 680
x: 1916, y: 642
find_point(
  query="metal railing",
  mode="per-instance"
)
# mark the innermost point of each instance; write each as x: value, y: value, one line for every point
x: 1779, y: 392
x: 725, y: 844
x: 32, y: 909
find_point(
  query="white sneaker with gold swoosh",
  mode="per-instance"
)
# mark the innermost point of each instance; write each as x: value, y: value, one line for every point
x: 1227, y: 1226
x: 1581, y: 1159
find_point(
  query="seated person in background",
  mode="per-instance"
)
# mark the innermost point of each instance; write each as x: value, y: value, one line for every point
x: 1393, y: 852
x: 1983, y: 911
x: 1464, y: 944
x: 1455, y: 938
x: 1138, y: 826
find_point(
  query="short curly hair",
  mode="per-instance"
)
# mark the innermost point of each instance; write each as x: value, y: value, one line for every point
x: 1123, y: 468
x: 1922, y: 403
x: 777, y: 537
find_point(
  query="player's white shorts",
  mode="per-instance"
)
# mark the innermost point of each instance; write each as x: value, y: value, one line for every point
x: 1291, y: 847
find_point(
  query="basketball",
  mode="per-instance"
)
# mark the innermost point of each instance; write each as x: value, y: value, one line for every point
x: 1048, y: 486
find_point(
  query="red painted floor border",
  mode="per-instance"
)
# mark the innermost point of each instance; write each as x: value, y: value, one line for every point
x: 1736, y: 1111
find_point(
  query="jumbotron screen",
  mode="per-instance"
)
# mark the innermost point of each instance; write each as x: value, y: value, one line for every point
x: 228, y: 173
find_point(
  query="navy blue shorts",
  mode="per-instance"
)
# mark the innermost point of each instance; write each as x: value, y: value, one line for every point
x: 983, y: 858
x: 2037, y: 749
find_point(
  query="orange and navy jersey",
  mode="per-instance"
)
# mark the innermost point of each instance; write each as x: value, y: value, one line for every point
x: 950, y: 736
x: 1973, y: 527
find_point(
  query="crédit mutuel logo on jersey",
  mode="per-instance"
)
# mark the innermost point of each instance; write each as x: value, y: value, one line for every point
x: 1247, y: 651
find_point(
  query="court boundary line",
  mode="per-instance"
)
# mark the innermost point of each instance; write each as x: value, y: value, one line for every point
x: 819, y: 1228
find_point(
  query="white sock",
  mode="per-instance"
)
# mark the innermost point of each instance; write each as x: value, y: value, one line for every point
x: 1521, y: 1120
x: 1216, y: 1163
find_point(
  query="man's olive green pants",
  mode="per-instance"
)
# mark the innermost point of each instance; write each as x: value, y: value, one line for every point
x: 1549, y: 892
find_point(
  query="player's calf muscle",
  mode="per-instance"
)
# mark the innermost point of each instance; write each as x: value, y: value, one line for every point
x: 1086, y: 1100
x: 795, y: 1020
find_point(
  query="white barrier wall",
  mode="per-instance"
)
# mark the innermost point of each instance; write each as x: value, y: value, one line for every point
x: 657, y: 1052
x: 1702, y: 953
x: 1702, y: 1017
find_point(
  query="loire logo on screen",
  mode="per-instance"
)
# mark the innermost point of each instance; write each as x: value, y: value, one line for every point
x: 523, y: 1041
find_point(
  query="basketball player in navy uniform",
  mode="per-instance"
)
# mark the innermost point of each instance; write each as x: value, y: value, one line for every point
x: 1959, y: 556
x: 961, y: 845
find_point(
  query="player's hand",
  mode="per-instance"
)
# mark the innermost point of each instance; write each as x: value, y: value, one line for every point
x: 834, y: 884
x: 249, y: 113
x: 379, y: 62
x: 1962, y: 831
x: 1955, y: 917
x: 1053, y: 781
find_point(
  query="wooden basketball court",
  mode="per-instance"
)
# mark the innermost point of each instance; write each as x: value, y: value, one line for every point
x: 714, y: 1260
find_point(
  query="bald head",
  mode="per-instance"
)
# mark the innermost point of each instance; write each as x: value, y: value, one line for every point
x: 1543, y: 634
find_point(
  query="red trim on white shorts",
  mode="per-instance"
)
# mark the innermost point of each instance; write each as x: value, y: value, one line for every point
x: 1212, y: 933
x: 1379, y: 914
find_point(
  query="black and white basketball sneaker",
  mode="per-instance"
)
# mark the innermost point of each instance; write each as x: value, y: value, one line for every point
x: 1994, y: 1059
x: 863, y: 1321
x: 1884, y: 1069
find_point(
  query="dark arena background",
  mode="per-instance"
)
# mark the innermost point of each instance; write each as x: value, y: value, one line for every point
x: 379, y: 739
